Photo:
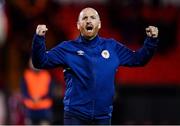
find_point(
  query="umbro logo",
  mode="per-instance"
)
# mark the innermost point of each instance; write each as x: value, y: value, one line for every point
x: 80, y: 52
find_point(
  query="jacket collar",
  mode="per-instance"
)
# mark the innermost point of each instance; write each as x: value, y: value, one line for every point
x: 86, y: 42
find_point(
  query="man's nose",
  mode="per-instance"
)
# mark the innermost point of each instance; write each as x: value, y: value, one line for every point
x: 88, y: 20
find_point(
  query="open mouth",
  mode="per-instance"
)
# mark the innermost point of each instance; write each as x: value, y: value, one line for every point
x: 89, y: 28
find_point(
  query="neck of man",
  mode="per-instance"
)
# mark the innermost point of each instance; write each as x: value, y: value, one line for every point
x: 89, y: 38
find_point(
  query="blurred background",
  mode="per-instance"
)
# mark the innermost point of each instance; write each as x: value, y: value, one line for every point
x: 146, y: 95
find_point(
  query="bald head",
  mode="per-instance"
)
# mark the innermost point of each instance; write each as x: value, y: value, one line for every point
x: 88, y: 9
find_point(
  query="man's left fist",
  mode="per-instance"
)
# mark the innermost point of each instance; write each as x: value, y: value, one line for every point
x: 152, y: 31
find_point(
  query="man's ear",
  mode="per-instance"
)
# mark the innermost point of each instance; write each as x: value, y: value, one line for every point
x: 99, y: 26
x: 78, y: 25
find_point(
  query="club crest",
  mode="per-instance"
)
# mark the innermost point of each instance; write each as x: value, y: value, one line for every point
x: 105, y: 54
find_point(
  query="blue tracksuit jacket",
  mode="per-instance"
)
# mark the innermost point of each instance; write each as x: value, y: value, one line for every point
x: 89, y: 70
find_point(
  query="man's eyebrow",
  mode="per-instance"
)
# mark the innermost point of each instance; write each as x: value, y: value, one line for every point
x: 84, y: 17
x: 93, y: 16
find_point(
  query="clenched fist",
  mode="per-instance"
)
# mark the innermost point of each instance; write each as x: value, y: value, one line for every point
x: 41, y: 30
x: 152, y: 31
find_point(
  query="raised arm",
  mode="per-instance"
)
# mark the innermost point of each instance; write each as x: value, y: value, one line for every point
x: 141, y: 57
x: 41, y: 58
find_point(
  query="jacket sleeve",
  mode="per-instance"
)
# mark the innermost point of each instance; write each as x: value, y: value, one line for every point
x: 128, y: 57
x: 41, y: 58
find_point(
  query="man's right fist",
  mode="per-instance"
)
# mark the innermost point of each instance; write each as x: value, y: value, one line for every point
x: 152, y: 31
x: 41, y: 30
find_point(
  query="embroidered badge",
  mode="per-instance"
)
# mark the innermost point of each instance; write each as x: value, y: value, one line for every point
x: 80, y: 52
x: 105, y: 54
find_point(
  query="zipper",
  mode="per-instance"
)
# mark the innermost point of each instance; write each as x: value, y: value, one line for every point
x: 94, y: 80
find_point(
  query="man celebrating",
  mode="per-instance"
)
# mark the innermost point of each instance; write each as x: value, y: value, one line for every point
x: 90, y: 64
